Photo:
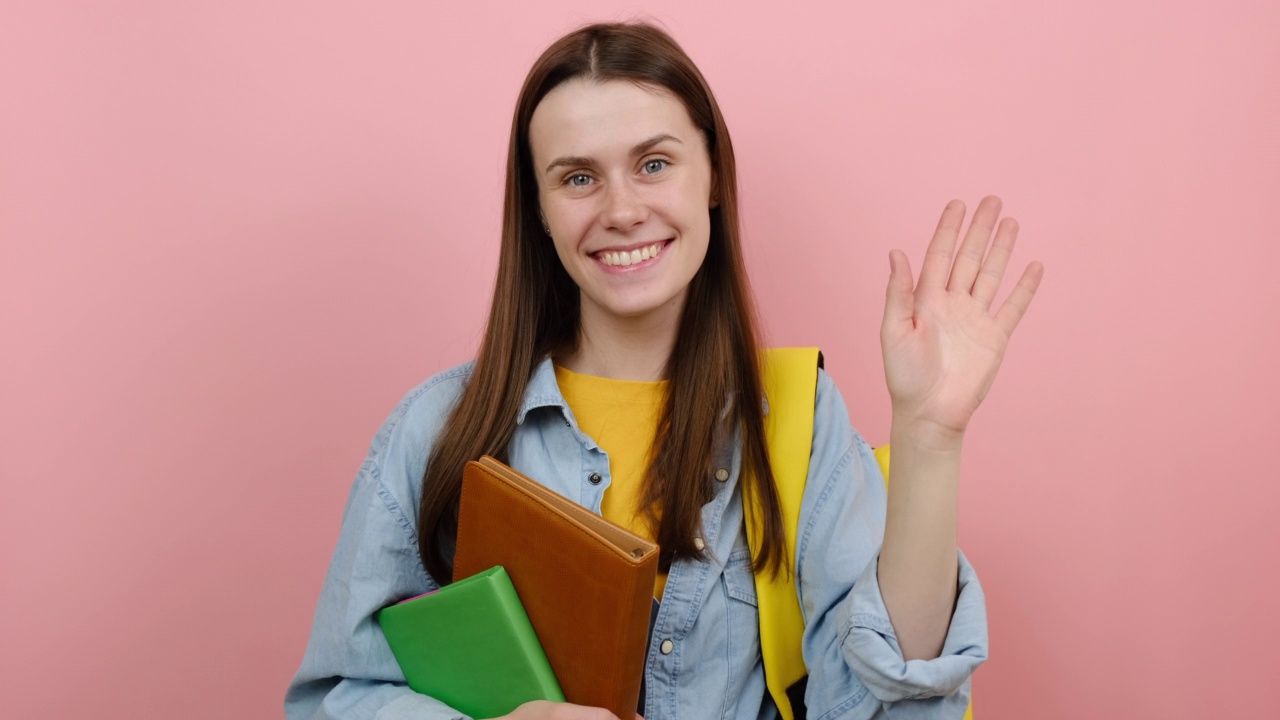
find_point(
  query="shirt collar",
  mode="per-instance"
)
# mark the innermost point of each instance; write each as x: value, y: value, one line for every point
x: 542, y: 391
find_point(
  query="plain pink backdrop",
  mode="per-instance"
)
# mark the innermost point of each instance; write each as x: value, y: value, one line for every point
x: 233, y: 235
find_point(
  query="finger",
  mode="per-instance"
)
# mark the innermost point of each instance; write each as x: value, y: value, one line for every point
x: 899, y: 301
x: 1015, y: 306
x: 992, y: 273
x: 969, y: 257
x: 937, y: 259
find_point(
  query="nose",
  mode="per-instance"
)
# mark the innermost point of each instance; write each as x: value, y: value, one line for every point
x: 624, y: 208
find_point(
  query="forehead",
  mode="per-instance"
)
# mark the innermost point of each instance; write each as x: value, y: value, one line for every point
x: 588, y: 118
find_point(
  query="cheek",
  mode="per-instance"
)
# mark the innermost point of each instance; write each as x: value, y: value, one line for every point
x: 698, y: 216
x: 695, y: 201
x: 566, y: 219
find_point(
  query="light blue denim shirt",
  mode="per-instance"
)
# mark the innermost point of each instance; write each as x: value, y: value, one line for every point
x: 713, y: 668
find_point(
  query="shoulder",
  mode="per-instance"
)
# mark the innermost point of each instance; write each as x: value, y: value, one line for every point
x: 398, y: 454
x: 836, y: 442
x: 831, y: 424
x: 423, y: 410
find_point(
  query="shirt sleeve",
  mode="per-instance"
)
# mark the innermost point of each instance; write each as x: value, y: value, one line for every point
x: 850, y: 647
x: 349, y: 671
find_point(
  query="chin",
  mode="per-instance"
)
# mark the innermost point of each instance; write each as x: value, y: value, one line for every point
x: 634, y: 312
x: 636, y: 308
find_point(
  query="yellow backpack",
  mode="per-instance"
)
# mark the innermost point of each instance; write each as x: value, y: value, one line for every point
x: 790, y: 377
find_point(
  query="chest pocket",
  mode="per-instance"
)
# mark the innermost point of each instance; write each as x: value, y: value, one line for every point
x: 741, y: 629
x: 739, y: 582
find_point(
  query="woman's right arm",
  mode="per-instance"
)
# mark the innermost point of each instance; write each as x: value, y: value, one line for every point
x: 348, y: 671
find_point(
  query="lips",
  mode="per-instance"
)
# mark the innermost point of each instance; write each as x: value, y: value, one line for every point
x: 634, y: 255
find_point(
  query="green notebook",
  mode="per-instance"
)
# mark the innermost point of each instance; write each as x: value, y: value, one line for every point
x: 471, y: 645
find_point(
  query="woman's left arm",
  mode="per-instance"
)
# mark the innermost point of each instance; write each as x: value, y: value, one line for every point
x: 942, y: 347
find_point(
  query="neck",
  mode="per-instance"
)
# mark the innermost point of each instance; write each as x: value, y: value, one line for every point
x: 625, y: 348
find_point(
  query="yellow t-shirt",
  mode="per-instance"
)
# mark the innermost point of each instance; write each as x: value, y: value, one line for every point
x: 622, y: 417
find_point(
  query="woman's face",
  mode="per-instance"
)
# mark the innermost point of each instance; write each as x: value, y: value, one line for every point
x: 625, y: 184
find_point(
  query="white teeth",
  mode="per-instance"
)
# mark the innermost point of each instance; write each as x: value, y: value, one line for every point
x: 624, y: 258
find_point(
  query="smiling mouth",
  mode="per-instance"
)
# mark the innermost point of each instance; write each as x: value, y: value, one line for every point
x: 622, y: 258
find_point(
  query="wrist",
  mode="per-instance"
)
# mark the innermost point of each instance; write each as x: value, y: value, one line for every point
x: 924, y: 436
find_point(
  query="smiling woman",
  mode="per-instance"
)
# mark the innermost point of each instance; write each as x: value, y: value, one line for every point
x: 620, y: 368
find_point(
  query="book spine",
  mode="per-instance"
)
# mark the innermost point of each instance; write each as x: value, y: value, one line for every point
x: 634, y: 646
x: 529, y: 648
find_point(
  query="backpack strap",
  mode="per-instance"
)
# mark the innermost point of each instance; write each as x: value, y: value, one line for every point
x: 790, y: 377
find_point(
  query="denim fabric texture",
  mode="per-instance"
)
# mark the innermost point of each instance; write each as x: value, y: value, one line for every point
x: 713, y: 668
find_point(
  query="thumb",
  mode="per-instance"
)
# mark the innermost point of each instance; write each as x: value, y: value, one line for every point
x: 899, y: 299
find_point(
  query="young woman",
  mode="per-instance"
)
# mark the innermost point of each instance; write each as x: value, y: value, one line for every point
x: 620, y: 368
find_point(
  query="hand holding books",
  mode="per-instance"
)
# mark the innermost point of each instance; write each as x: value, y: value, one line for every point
x: 542, y: 710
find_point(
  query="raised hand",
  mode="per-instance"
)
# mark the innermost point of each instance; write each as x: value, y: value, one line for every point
x: 942, y: 345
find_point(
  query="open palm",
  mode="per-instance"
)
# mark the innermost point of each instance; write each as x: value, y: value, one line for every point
x: 942, y: 345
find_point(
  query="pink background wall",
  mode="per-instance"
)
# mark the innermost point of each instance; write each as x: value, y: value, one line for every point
x: 231, y: 237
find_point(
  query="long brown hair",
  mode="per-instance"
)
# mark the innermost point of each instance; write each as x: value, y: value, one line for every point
x: 714, y: 364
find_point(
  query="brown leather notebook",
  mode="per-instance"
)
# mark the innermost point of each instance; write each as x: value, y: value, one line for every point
x: 586, y: 583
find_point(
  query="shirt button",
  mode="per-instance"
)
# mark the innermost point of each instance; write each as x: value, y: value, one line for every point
x: 667, y: 646
x: 595, y: 478
x: 722, y: 474
x: 697, y: 542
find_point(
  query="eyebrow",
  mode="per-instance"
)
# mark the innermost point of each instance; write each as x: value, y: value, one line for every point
x: 638, y: 149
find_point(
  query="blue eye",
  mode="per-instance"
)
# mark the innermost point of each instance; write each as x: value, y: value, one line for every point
x: 578, y: 180
x: 655, y: 166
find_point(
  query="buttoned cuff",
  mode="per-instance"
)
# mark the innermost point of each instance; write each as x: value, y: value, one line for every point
x: 871, y: 648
